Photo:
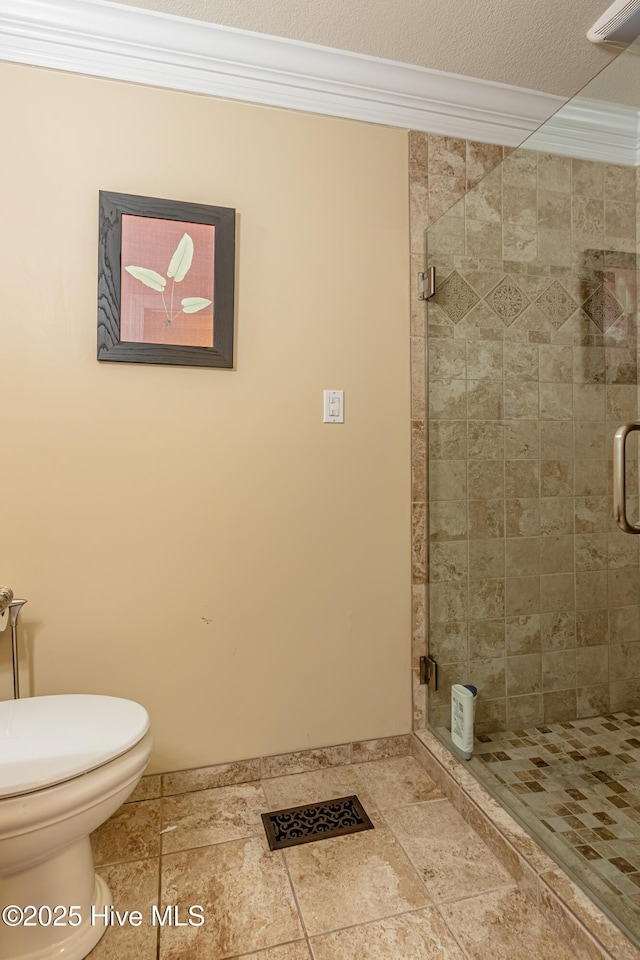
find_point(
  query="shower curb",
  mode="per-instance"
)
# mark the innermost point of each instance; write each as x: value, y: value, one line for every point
x: 575, y: 917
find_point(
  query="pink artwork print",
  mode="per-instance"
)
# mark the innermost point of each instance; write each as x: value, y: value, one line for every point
x: 167, y: 278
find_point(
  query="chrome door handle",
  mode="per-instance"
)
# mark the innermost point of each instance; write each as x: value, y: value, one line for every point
x: 619, y: 477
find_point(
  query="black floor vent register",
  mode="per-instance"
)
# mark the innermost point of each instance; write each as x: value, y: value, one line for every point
x: 331, y: 818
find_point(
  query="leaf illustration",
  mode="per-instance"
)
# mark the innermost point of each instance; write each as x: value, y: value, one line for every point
x: 193, y: 304
x: 181, y: 260
x: 149, y: 277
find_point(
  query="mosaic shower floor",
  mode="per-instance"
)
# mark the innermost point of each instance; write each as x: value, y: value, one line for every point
x: 577, y: 784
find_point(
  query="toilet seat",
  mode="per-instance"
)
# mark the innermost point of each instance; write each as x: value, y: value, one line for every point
x: 47, y: 740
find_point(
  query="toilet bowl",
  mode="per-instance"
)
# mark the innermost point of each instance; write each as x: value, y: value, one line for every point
x: 66, y: 764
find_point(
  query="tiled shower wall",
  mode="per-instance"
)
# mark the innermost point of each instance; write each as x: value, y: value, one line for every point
x: 441, y: 171
x: 532, y: 363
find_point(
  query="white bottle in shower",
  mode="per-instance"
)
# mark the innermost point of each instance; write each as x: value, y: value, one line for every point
x: 463, y: 709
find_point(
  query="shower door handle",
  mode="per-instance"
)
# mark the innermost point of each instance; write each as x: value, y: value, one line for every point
x: 619, y: 477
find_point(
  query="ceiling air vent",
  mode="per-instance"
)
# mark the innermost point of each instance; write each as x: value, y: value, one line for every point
x: 619, y: 24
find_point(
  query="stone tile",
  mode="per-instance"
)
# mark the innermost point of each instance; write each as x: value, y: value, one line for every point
x: 447, y: 521
x: 134, y: 886
x: 132, y: 833
x: 418, y: 565
x: 422, y: 934
x: 489, y: 677
x: 448, y: 641
x: 304, y: 760
x: 524, y: 710
x: 521, y: 439
x: 486, y: 519
x: 590, y: 514
x: 623, y: 588
x: 418, y: 461
x: 205, y: 778
x: 448, y: 601
x: 522, y: 596
x: 587, y: 178
x: 523, y: 635
x: 521, y: 400
x: 485, y: 479
x: 624, y: 624
x: 556, y: 401
x: 486, y: 639
x: 355, y: 879
x: 484, y: 360
x: 447, y: 440
x: 484, y: 202
x: 557, y: 592
x: 556, y: 554
x: 523, y: 556
x: 149, y: 788
x: 522, y: 517
x: 556, y: 479
x: 381, y: 749
x: 450, y: 858
x: 212, y: 816
x: 482, y: 158
x: 447, y: 399
x: 554, y: 173
x: 447, y: 480
x: 245, y: 894
x: 298, y: 950
x: 486, y: 599
x: 486, y: 559
x: 395, y: 781
x: 446, y: 156
x: 558, y: 630
x: 503, y: 925
x: 447, y: 359
x: 484, y: 400
x: 591, y: 590
x: 524, y: 674
x: 314, y: 787
x: 591, y: 628
x: 574, y: 902
x: 556, y: 440
x: 592, y: 700
x: 558, y: 670
x: 559, y: 705
x: 485, y: 440
x: 556, y: 515
x: 448, y: 561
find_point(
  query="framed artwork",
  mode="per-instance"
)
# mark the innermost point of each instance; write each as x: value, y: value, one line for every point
x: 165, y: 281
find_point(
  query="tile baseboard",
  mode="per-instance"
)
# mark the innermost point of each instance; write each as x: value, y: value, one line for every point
x: 264, y: 768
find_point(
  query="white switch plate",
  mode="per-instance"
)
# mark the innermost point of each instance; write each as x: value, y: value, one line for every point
x: 333, y: 406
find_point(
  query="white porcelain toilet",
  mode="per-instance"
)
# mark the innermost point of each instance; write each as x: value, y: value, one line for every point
x: 66, y: 764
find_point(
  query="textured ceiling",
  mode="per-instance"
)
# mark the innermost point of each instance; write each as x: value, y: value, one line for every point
x: 539, y: 44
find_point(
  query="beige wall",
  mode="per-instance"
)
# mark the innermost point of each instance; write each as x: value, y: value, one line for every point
x: 197, y: 539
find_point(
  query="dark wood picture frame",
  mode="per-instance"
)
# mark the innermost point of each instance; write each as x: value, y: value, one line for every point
x: 110, y: 345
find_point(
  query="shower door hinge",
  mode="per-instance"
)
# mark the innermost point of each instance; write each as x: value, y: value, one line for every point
x: 427, y: 284
x: 429, y: 672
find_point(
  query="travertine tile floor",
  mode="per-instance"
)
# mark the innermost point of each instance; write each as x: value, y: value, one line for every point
x: 420, y: 886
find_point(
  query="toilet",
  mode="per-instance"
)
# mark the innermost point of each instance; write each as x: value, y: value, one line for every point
x: 66, y: 764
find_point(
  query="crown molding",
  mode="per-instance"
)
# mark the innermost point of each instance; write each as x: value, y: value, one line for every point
x: 591, y: 130
x: 102, y: 39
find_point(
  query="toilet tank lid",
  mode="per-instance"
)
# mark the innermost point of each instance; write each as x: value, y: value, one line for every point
x: 47, y: 740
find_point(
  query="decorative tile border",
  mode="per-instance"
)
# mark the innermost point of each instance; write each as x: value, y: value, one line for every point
x: 592, y: 935
x: 264, y: 768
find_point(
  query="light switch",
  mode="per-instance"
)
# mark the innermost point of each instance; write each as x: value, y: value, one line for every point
x: 334, y: 406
